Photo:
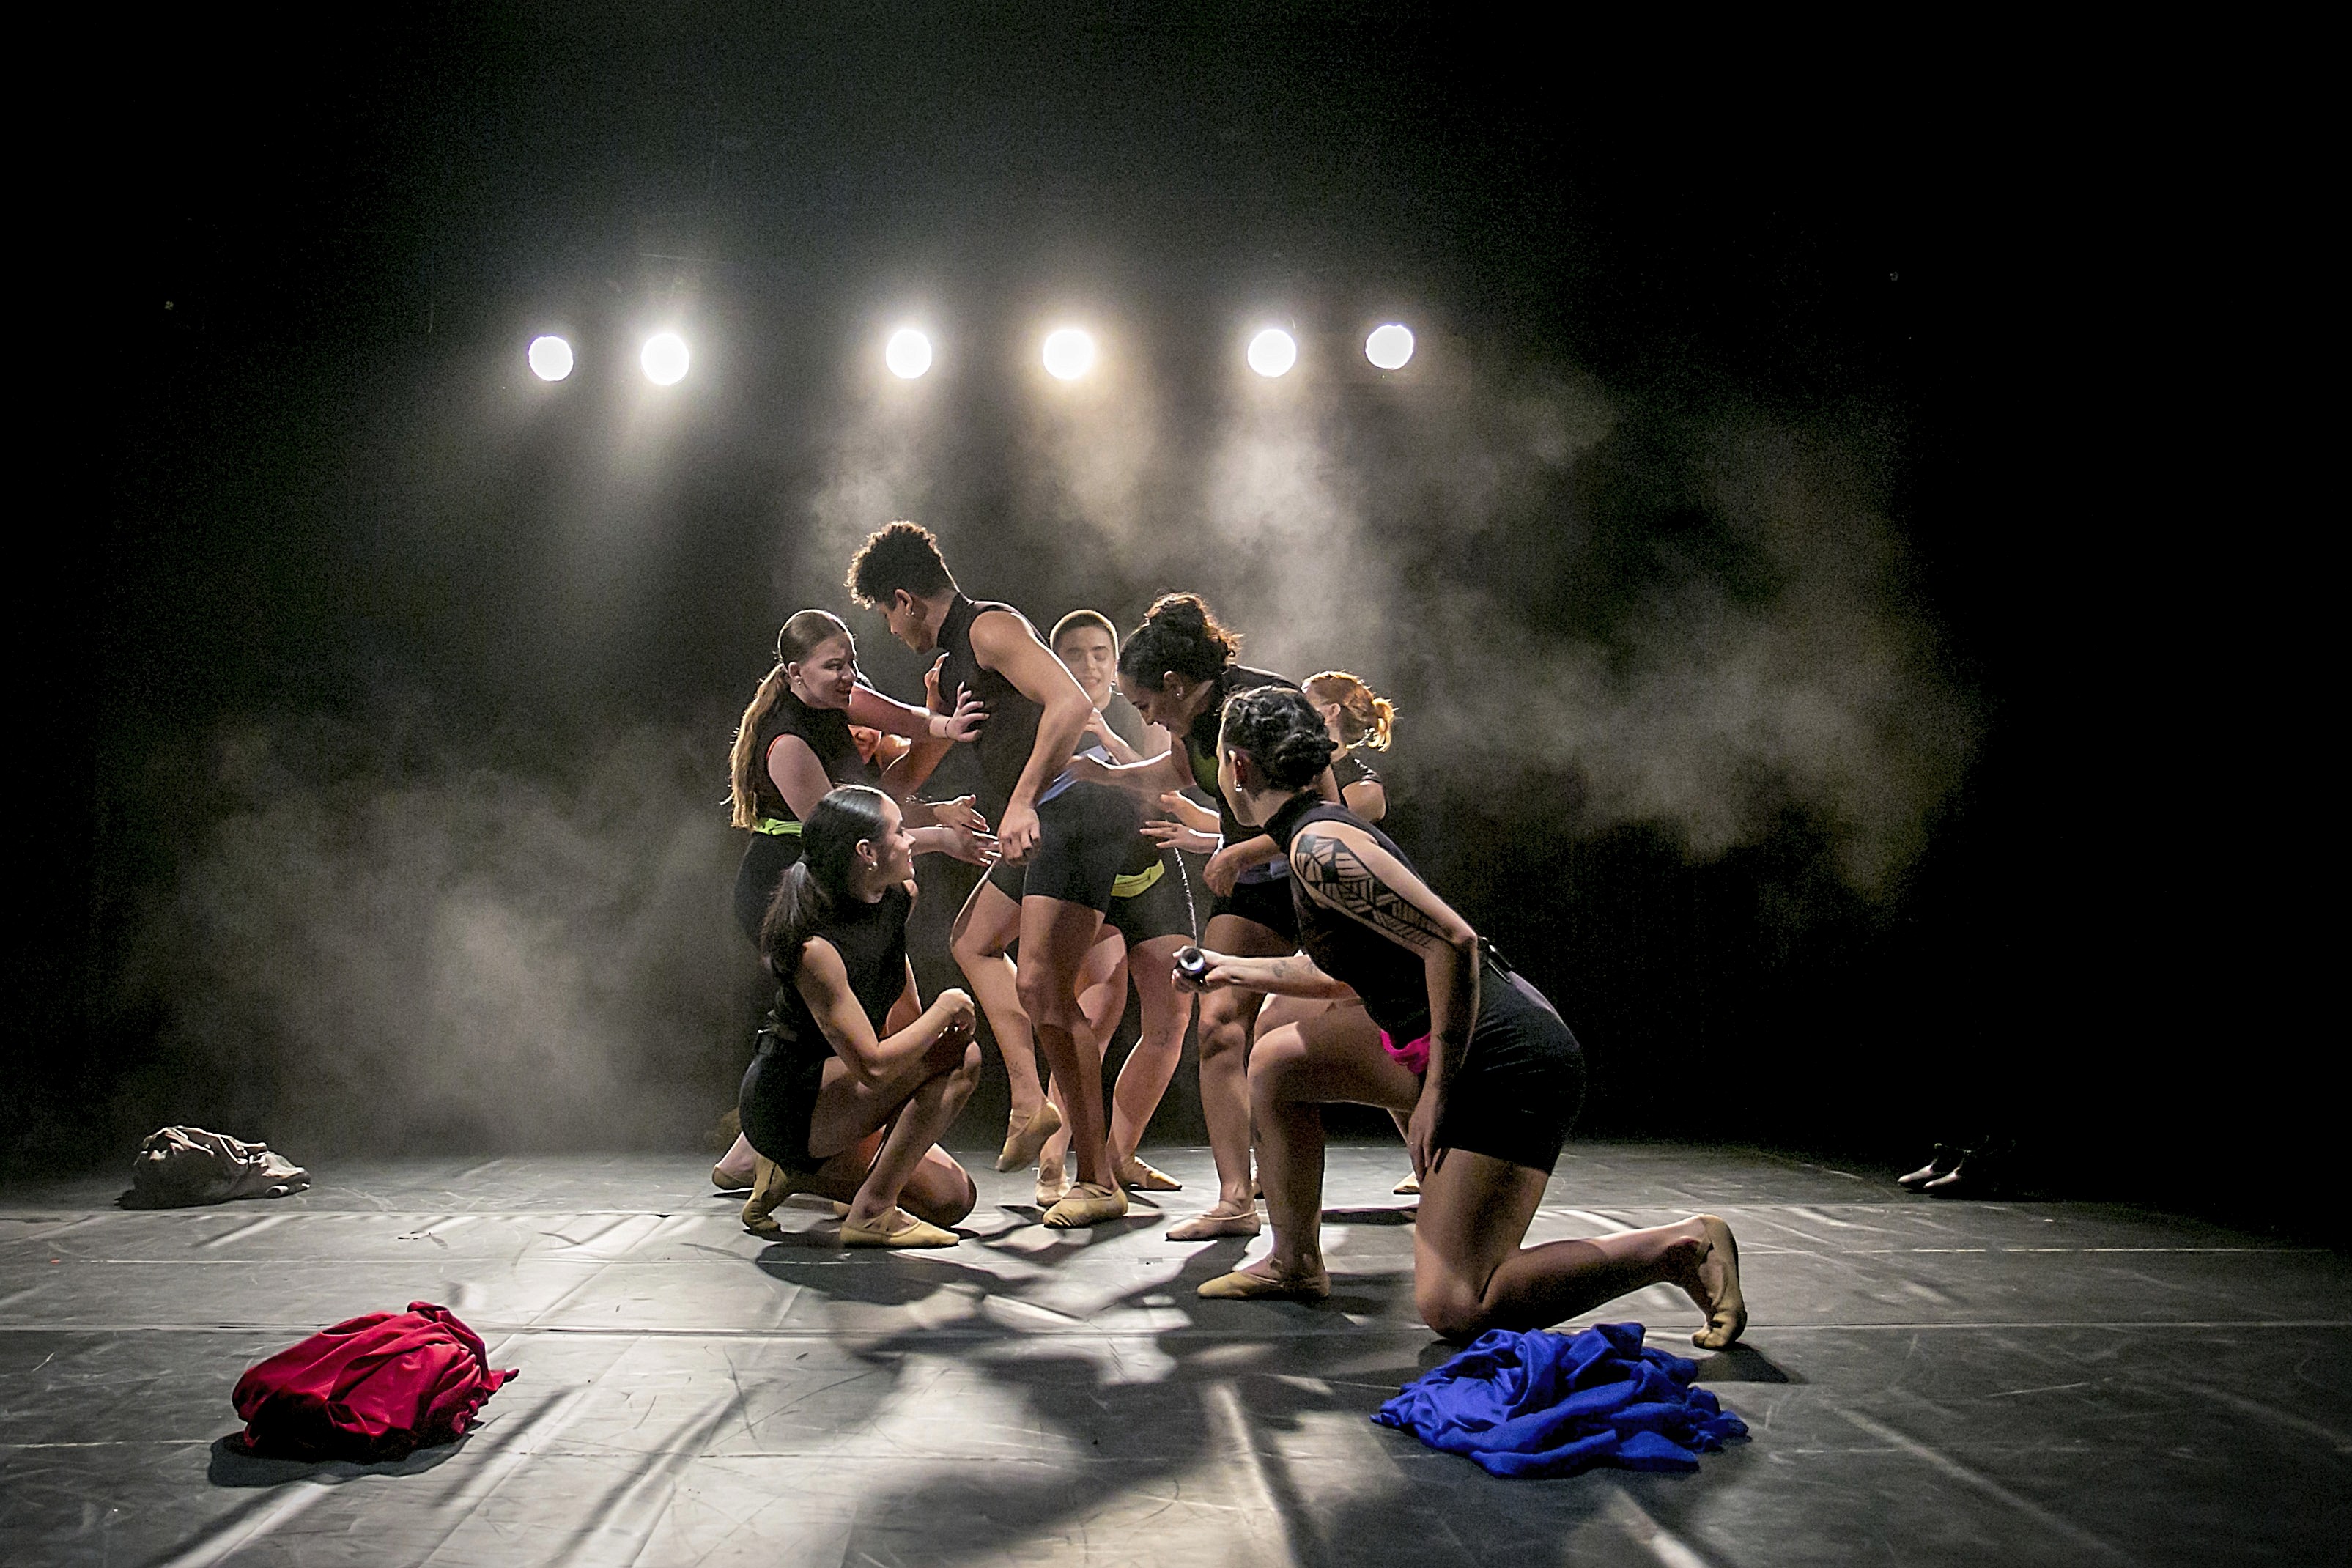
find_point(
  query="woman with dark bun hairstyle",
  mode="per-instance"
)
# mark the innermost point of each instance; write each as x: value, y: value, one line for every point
x: 857, y: 1080
x: 1179, y: 669
x: 1489, y: 1075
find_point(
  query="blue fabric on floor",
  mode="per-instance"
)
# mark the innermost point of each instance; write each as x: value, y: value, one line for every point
x: 1554, y: 1405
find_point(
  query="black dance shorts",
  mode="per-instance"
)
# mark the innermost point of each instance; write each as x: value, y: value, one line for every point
x: 1163, y: 907
x: 778, y: 1099
x: 1266, y: 903
x: 1083, y: 837
x: 765, y: 860
x: 1521, y: 1084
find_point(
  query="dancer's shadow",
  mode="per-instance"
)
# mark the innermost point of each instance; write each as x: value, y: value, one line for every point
x: 1742, y: 1363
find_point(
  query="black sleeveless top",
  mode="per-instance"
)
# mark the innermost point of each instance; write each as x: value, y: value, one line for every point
x: 871, y: 941
x: 826, y: 732
x: 1201, y: 742
x: 1388, y: 976
x: 1352, y: 769
x: 1005, y: 742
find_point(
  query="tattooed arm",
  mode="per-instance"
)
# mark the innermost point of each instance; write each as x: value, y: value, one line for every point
x: 1293, y: 974
x: 1343, y: 869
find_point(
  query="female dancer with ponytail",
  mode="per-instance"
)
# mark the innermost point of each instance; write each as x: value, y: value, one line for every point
x: 857, y: 1080
x: 795, y: 743
x: 1178, y: 670
x: 1492, y: 1078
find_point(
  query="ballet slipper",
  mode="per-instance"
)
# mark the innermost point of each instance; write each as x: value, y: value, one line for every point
x: 1137, y: 1177
x: 1023, y: 1144
x: 1053, y: 1192
x: 728, y: 1180
x: 1410, y: 1186
x: 1727, y: 1318
x: 1241, y: 1285
x: 771, y: 1185
x: 1085, y: 1204
x: 1210, y: 1225
x: 913, y: 1233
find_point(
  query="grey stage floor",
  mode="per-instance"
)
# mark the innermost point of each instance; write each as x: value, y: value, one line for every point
x: 1928, y: 1383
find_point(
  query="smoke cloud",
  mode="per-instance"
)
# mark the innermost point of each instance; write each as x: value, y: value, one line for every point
x: 464, y: 959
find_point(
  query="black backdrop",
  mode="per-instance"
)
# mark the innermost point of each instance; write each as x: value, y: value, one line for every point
x: 365, y: 662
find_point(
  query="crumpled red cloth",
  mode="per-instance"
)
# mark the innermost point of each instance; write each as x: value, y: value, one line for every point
x: 371, y: 1388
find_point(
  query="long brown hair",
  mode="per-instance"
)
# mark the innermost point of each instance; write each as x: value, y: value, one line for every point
x: 798, y: 639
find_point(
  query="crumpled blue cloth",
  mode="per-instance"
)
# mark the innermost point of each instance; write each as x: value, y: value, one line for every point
x: 1555, y: 1405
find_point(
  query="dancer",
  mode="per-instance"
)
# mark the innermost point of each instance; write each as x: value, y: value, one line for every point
x: 1178, y: 670
x: 1150, y: 920
x: 857, y: 1080
x: 1357, y: 719
x: 1492, y: 1076
x: 796, y: 741
x: 1069, y: 836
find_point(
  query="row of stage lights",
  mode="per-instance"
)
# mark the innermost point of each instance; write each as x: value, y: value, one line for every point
x: 1068, y: 354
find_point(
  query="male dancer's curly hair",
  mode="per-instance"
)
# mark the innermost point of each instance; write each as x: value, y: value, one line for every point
x: 1279, y: 732
x: 900, y: 555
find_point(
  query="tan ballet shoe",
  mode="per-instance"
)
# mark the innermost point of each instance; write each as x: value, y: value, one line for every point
x: 913, y: 1233
x: 1209, y: 1226
x: 771, y: 1185
x: 1086, y: 1204
x: 1054, y: 1191
x: 1137, y: 1177
x: 1242, y: 1286
x: 1410, y: 1186
x: 727, y: 1181
x: 1727, y: 1319
x: 1022, y: 1143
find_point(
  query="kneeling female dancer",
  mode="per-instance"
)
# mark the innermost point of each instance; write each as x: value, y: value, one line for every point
x: 1490, y: 1102
x: 1178, y: 669
x: 829, y: 1084
x: 796, y: 742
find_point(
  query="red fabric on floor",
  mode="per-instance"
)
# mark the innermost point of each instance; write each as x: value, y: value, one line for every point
x: 375, y: 1387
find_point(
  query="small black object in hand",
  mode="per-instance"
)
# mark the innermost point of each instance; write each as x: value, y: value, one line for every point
x: 1192, y: 963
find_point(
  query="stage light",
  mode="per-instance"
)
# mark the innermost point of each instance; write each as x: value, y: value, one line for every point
x: 551, y: 358
x: 664, y: 359
x: 907, y: 353
x: 1069, y: 354
x: 1390, y: 347
x: 1272, y: 352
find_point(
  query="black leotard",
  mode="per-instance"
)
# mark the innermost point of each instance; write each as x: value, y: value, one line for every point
x: 779, y: 1092
x: 1005, y: 742
x: 1520, y: 1081
x: 776, y: 843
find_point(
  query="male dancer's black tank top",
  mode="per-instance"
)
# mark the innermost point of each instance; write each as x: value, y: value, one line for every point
x: 1011, y: 733
x: 871, y: 941
x: 1201, y: 744
x: 1388, y: 976
x: 825, y: 731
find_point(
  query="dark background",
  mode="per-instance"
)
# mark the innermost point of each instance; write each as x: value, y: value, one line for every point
x: 346, y: 608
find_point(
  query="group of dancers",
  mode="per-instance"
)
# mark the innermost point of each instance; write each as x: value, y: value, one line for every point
x: 1325, y: 970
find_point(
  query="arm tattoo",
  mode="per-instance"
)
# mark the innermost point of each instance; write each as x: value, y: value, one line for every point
x: 1337, y: 872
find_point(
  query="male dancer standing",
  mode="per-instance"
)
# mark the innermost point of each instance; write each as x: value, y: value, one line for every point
x: 1071, y: 838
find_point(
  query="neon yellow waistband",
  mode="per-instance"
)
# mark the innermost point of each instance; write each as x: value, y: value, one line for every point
x: 776, y: 827
x: 1129, y: 886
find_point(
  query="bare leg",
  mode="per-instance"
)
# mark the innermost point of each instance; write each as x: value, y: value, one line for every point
x: 985, y: 929
x: 1228, y: 1021
x: 1334, y: 1055
x: 922, y: 1122
x: 1102, y: 997
x: 1470, y: 1273
x: 1056, y: 935
x: 1159, y: 1048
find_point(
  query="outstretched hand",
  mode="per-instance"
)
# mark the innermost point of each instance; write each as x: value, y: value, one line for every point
x: 959, y: 814
x: 965, y: 716
x: 1176, y: 836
